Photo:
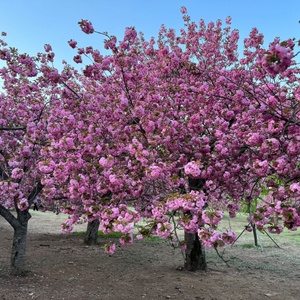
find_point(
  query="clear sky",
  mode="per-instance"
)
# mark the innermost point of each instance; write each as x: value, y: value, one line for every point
x: 31, y: 24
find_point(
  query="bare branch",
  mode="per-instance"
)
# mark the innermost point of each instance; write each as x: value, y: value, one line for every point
x: 3, y: 174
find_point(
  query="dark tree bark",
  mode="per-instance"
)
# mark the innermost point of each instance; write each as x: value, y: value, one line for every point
x: 91, y: 235
x: 194, y: 253
x: 254, y: 234
x: 18, y: 251
x: 20, y: 225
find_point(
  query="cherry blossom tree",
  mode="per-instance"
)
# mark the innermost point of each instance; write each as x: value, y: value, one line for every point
x: 29, y: 109
x: 187, y: 124
x: 176, y: 131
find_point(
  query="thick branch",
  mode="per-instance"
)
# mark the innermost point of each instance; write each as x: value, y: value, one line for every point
x: 35, y: 192
x: 9, y: 217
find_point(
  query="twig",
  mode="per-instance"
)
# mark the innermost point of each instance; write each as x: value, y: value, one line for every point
x: 225, y: 261
x: 175, y: 231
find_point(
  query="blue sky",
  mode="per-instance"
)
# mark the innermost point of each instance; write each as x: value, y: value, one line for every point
x: 31, y: 24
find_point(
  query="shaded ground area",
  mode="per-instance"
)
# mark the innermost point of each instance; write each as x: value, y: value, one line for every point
x: 61, y: 267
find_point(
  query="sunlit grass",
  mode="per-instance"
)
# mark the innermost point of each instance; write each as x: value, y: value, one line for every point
x: 117, y: 235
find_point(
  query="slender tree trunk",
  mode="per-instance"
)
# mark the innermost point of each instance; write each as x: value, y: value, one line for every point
x: 91, y: 235
x: 18, y: 251
x: 194, y: 253
x: 254, y: 235
x: 20, y: 225
x: 275, y: 218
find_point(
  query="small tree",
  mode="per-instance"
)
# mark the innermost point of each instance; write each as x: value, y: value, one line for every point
x: 27, y: 117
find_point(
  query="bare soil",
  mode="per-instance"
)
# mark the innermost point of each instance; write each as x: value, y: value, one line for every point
x: 61, y: 267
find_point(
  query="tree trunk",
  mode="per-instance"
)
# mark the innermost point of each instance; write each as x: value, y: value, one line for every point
x: 18, y: 251
x: 20, y: 225
x: 254, y: 235
x: 194, y: 253
x: 91, y: 235
x: 275, y: 218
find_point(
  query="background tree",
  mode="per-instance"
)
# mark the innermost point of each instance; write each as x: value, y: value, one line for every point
x: 28, y: 113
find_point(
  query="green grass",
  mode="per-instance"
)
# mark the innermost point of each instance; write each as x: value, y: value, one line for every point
x: 153, y: 239
x: 103, y: 235
x: 286, y: 234
x: 247, y: 246
x: 240, y: 221
x: 117, y: 235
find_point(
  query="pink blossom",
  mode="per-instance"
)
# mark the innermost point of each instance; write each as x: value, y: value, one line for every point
x: 72, y: 43
x: 130, y: 35
x: 275, y: 229
x: 154, y: 172
x: 48, y: 48
x: 67, y: 226
x: 163, y: 230
x: 249, y: 228
x: 228, y: 237
x: 17, y: 173
x: 77, y: 59
x: 86, y: 26
x: 183, y: 10
x: 106, y: 162
x: 212, y: 218
x: 127, y: 239
x: 110, y: 248
x: 208, y: 236
x: 46, y: 166
x: 228, y: 20
x: 124, y: 102
x: 23, y: 204
x: 278, y: 60
x: 295, y: 187
x: 193, y: 168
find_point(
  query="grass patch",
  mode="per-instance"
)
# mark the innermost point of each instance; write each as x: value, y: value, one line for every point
x: 103, y: 235
x: 117, y: 235
x: 276, y: 255
x: 153, y: 239
x: 247, y: 246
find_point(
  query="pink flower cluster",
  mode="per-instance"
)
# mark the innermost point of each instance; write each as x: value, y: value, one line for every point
x: 277, y: 60
x: 17, y: 173
x: 86, y: 26
x: 23, y: 204
x: 261, y: 216
x: 110, y: 248
x: 212, y: 218
x: 211, y: 238
x: 193, y: 168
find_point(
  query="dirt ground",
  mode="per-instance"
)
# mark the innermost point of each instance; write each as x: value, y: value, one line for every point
x: 61, y: 267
